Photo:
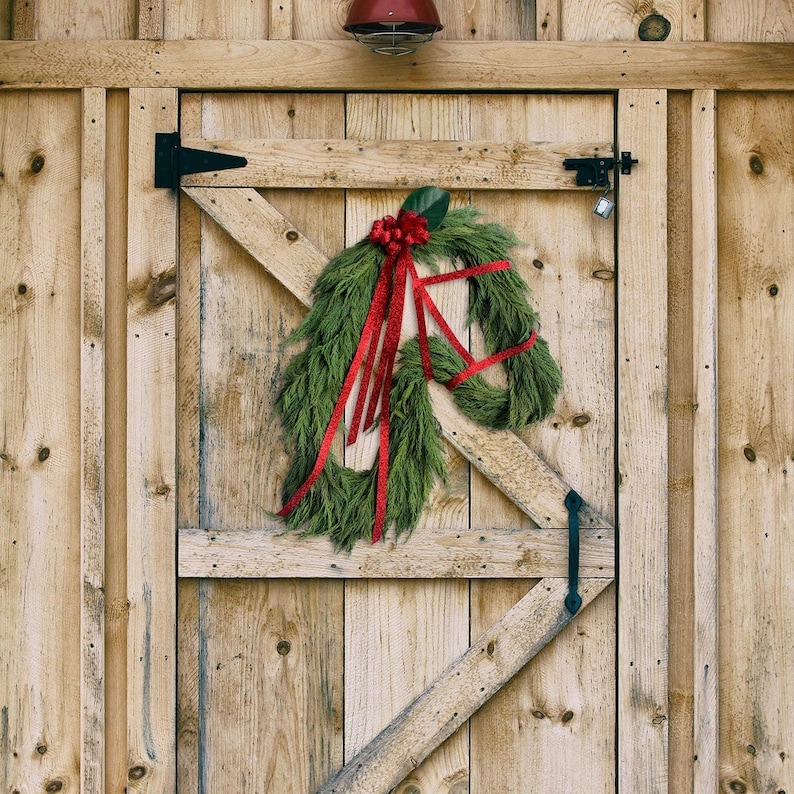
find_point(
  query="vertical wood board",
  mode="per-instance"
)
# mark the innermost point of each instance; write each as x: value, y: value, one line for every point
x: 561, y: 708
x: 704, y: 464
x: 680, y: 470
x: 151, y: 451
x: 619, y: 20
x: 383, y: 671
x: 642, y: 445
x: 40, y: 451
x: 756, y: 440
x: 275, y: 645
x: 92, y: 435
x: 750, y: 20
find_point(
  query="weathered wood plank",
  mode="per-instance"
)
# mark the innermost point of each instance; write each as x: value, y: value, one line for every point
x: 265, y: 234
x: 151, y: 20
x: 747, y: 20
x: 345, y: 65
x: 116, y: 604
x: 642, y: 446
x: 693, y: 24
x: 280, y: 20
x: 393, y: 164
x: 23, y: 20
x: 548, y: 20
x: 385, y: 653
x: 430, y: 554
x: 560, y: 708
x: 461, y: 689
x: 680, y: 474
x: 151, y: 451
x: 510, y: 465
x: 92, y: 424
x: 40, y: 452
x: 281, y: 639
x: 614, y: 20
x: 756, y: 444
x: 704, y: 462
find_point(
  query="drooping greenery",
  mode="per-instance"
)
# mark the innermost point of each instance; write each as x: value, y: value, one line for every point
x: 341, y: 503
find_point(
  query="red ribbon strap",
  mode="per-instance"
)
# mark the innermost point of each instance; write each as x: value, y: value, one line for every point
x: 396, y: 236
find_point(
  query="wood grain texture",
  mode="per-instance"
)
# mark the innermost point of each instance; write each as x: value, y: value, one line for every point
x: 23, y: 20
x: 756, y: 314
x: 750, y: 20
x: 429, y: 554
x: 642, y: 447
x: 571, y: 284
x: 188, y: 441
x: 705, y: 439
x: 116, y: 604
x: 548, y: 20
x: 346, y: 65
x: 286, y: 699
x: 280, y: 19
x: 92, y: 434
x: 615, y: 20
x: 151, y: 452
x: 694, y: 23
x: 400, y: 635
x: 460, y: 690
x: 215, y: 19
x: 482, y: 20
x: 151, y: 19
x: 363, y: 164
x: 270, y: 238
x: 40, y: 469
x: 680, y: 474
x: 90, y: 20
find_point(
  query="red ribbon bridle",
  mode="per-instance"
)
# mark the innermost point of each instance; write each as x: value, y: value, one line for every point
x: 396, y: 236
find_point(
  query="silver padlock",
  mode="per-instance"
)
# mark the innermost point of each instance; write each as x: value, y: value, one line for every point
x: 604, y: 206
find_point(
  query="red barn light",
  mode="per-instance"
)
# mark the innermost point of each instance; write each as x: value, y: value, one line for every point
x: 393, y: 27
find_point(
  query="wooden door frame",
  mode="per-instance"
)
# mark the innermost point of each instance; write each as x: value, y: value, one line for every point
x: 641, y: 75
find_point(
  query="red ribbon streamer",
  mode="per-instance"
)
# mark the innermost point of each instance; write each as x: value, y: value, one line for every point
x: 396, y: 236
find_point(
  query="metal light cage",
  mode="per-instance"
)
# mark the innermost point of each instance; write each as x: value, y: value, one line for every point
x: 393, y: 27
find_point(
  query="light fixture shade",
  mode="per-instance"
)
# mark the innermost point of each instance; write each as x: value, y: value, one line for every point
x: 393, y: 27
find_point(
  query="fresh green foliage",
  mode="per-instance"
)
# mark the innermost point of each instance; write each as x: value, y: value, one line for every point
x: 431, y: 202
x: 342, y: 501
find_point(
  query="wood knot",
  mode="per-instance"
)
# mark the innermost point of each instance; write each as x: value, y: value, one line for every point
x: 53, y: 785
x: 41, y: 748
x: 567, y: 716
x: 37, y: 163
x: 580, y: 420
x: 292, y: 235
x: 137, y: 772
x: 654, y: 27
x: 738, y: 787
x: 44, y: 453
x: 756, y: 164
x: 162, y: 289
x: 773, y: 290
x: 283, y: 647
x: 22, y: 289
x: 538, y: 714
x: 538, y: 264
x: 490, y: 648
x: 749, y: 453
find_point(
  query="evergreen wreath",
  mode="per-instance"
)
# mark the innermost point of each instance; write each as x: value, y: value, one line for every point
x: 321, y: 496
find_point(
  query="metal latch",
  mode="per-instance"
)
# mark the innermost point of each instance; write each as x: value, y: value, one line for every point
x: 172, y: 160
x: 594, y: 171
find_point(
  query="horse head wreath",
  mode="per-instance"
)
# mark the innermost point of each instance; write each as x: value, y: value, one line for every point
x: 359, y: 292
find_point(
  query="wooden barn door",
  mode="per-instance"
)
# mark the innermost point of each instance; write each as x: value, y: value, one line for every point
x: 291, y: 658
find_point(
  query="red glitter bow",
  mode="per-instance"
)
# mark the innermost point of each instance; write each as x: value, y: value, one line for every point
x: 396, y: 236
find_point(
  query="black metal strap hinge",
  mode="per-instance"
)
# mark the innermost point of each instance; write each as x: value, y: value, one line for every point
x: 594, y: 171
x: 573, y: 601
x: 172, y: 160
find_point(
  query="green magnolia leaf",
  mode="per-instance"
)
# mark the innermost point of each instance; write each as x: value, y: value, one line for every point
x: 431, y: 202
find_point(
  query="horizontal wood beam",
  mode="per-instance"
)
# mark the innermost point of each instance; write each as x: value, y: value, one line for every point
x: 428, y: 554
x: 443, y: 65
x: 370, y: 164
x: 461, y: 689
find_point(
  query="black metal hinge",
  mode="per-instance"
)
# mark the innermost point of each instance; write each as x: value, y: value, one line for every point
x: 172, y: 160
x: 594, y: 171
